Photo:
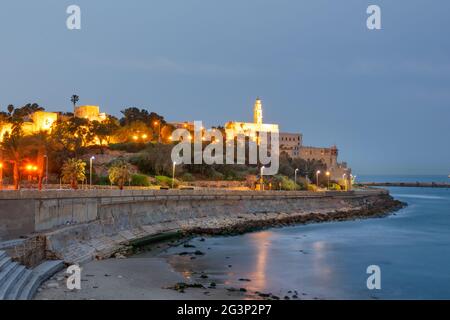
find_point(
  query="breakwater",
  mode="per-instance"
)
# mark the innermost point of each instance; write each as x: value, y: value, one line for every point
x: 87, y: 224
x: 406, y: 184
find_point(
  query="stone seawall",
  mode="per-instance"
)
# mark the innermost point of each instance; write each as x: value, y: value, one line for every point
x: 82, y: 225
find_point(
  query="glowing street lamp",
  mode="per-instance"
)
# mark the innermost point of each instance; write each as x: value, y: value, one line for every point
x: 317, y: 178
x: 295, y: 179
x: 173, y: 173
x: 90, y: 171
x: 328, y: 176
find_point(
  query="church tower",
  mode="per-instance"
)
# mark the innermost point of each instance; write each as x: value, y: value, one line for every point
x: 257, y: 112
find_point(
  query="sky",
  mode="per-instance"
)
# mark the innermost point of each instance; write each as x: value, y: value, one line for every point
x: 382, y: 96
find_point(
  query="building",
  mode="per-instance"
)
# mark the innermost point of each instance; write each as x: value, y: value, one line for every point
x: 291, y: 143
x: 37, y: 122
x: 250, y: 129
x: 92, y: 113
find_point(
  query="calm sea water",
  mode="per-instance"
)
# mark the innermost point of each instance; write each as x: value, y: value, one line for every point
x: 329, y: 260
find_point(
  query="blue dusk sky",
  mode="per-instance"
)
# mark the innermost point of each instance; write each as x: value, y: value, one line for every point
x: 382, y: 96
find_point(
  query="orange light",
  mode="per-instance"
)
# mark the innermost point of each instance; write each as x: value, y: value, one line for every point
x: 1, y: 165
x: 144, y: 136
x: 135, y: 137
x: 170, y: 138
x: 155, y: 123
x: 190, y: 137
x: 35, y: 168
x: 328, y: 173
x: 29, y: 167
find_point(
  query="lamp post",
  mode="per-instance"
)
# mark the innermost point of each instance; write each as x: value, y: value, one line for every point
x: 46, y: 171
x: 261, y: 178
x: 344, y: 177
x: 173, y: 173
x: 328, y: 183
x: 295, y: 178
x: 90, y: 171
x: 317, y: 178
x: 158, y: 123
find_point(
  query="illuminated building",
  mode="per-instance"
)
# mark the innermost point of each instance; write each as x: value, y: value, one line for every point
x: 91, y: 113
x: 250, y: 129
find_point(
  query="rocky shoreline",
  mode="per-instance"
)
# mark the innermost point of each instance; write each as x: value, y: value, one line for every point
x: 379, y: 208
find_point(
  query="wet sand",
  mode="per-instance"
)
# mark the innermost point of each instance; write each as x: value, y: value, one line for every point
x: 145, y: 276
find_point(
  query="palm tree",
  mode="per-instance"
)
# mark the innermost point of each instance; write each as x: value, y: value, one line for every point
x: 73, y: 170
x: 74, y: 100
x: 119, y: 173
x: 14, y: 149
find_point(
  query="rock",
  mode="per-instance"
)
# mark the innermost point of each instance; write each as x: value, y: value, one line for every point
x: 198, y: 253
x: 243, y: 290
x: 287, y: 298
x: 246, y: 280
x: 187, y: 245
x: 204, y: 276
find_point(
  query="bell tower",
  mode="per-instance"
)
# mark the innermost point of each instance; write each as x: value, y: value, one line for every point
x: 257, y: 112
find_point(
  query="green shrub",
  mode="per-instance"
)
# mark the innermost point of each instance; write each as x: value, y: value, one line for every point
x: 102, y: 180
x: 335, y: 186
x: 139, y: 180
x: 187, y: 177
x: 312, y: 187
x: 167, y: 182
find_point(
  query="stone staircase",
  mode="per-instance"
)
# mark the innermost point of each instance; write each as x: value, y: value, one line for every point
x: 19, y: 283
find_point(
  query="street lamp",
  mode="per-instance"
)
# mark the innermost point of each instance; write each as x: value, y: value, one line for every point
x: 317, y: 178
x: 344, y: 177
x: 261, y: 178
x: 328, y: 176
x: 295, y: 179
x: 173, y: 173
x: 46, y: 171
x: 90, y: 171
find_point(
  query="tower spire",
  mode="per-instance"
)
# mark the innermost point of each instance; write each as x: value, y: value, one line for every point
x: 257, y: 112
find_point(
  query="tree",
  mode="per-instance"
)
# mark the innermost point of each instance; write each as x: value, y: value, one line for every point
x: 74, y: 99
x: 73, y: 170
x: 105, y: 130
x: 133, y: 132
x: 73, y: 134
x: 10, y: 109
x: 119, y: 173
x: 13, y: 150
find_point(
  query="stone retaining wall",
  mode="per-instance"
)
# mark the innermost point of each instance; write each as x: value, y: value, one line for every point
x: 82, y: 225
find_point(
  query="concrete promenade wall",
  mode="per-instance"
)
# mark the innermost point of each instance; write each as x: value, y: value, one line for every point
x: 79, y: 226
x: 26, y: 212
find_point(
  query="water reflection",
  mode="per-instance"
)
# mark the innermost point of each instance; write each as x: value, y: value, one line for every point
x: 261, y: 241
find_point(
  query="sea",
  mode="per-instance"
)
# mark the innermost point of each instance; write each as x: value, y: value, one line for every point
x: 403, y: 256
